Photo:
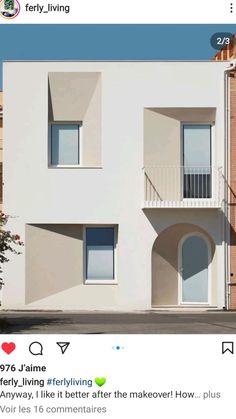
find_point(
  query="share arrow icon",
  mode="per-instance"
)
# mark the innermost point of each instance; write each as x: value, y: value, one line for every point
x: 63, y: 346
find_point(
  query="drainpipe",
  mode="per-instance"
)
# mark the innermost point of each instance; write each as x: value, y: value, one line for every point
x: 232, y: 66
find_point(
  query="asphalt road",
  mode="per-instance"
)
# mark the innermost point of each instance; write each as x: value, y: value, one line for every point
x: 122, y: 323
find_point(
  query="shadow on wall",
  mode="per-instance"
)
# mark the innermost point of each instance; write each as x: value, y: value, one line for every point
x: 165, y: 262
x: 54, y: 259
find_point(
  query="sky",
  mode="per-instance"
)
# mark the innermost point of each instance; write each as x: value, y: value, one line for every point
x: 107, y: 42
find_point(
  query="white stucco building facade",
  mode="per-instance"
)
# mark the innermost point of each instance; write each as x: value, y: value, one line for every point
x: 113, y: 173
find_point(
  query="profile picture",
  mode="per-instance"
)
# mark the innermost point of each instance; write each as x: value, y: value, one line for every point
x: 9, y: 9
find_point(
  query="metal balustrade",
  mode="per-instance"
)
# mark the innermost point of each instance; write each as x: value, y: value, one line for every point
x: 183, y: 187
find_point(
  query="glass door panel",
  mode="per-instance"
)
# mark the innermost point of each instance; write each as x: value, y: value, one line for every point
x: 197, y: 173
x: 194, y: 270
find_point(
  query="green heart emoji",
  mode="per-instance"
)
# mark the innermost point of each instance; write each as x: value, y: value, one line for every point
x: 100, y: 381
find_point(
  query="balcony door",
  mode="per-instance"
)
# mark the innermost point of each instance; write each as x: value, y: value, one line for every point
x: 197, y: 170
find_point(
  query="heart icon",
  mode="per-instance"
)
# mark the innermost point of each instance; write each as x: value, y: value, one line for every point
x: 8, y: 347
x: 100, y: 381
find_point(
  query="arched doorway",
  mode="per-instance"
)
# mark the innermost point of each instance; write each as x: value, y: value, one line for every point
x: 194, y: 275
x: 174, y: 248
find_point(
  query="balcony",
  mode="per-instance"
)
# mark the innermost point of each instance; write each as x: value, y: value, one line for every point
x: 183, y: 187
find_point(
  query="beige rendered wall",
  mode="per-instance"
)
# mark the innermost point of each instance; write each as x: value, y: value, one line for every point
x: 54, y: 259
x: 113, y: 195
x: 165, y: 264
x: 162, y: 132
x: 162, y: 155
x: 55, y: 267
x: 76, y: 97
x: 161, y: 139
x: 163, y: 148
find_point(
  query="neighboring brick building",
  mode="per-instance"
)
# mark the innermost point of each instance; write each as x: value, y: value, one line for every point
x: 232, y: 201
x: 229, y: 53
x: 1, y: 145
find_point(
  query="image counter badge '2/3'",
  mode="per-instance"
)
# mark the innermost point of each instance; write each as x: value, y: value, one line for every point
x: 9, y: 9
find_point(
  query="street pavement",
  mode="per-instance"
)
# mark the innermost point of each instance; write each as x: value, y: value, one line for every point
x: 148, y: 322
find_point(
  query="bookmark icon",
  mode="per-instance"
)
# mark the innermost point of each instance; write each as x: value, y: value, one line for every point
x: 228, y: 347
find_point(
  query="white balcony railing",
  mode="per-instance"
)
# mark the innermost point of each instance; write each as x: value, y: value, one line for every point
x: 183, y: 187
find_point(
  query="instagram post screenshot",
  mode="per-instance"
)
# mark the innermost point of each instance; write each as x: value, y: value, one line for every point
x: 117, y: 209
